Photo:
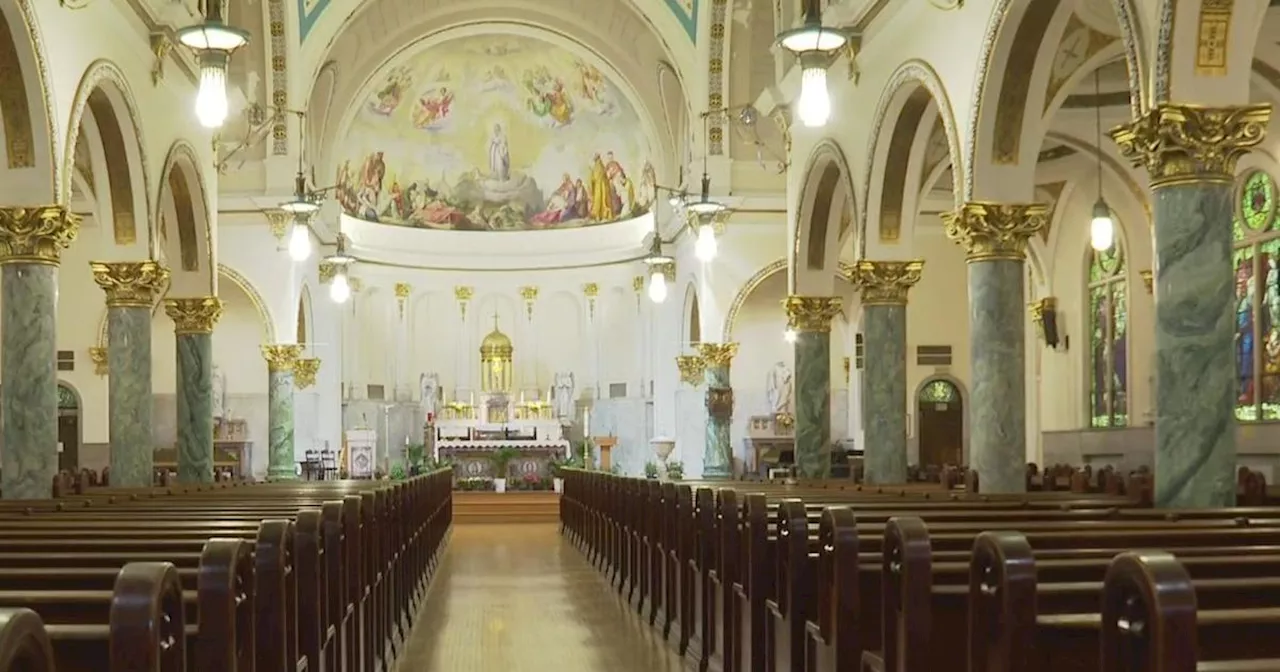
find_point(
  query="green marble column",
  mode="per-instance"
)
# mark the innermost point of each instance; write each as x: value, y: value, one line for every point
x: 884, y: 286
x: 1190, y: 153
x: 811, y: 317
x: 995, y: 236
x: 132, y: 288
x: 193, y: 321
x: 281, y: 358
x: 31, y: 244
x: 717, y: 456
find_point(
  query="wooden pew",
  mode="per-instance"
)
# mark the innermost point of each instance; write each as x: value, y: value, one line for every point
x: 24, y: 644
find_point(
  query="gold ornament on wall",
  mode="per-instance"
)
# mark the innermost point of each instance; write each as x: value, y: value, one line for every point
x: 811, y: 314
x: 130, y: 283
x: 991, y: 231
x: 846, y: 369
x: 281, y: 356
x: 304, y: 372
x: 403, y: 290
x: 195, y: 315
x: 691, y: 368
x: 279, y: 221
x: 463, y: 294
x: 1186, y: 143
x: 36, y: 235
x: 1148, y: 280
x: 885, y: 283
x: 591, y: 290
x: 717, y: 354
x: 160, y: 48
x: 98, y: 355
x: 530, y: 294
x: 327, y: 270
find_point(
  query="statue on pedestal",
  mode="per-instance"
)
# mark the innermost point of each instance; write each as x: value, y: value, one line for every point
x: 563, y: 387
x: 219, y: 394
x: 429, y: 383
x: 777, y: 388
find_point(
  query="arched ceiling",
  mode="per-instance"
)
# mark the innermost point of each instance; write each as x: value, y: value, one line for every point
x: 620, y: 35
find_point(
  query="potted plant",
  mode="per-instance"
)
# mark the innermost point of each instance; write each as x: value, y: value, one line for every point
x: 501, y: 459
x: 397, y: 472
x: 675, y: 470
x: 415, y: 458
x: 555, y: 465
x: 651, y: 470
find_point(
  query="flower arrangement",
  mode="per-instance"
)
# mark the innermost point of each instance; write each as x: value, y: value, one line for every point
x: 530, y: 482
x: 476, y: 484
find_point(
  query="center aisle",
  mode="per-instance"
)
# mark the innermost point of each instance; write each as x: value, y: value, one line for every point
x: 519, y: 598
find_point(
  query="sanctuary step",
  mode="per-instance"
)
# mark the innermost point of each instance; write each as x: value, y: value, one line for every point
x: 507, y: 507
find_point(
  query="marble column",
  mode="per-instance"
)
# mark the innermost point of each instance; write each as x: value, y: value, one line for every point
x: 717, y: 456
x: 281, y: 359
x: 131, y: 288
x: 884, y: 286
x: 193, y: 320
x: 995, y: 236
x: 31, y: 244
x: 1190, y: 153
x: 811, y: 316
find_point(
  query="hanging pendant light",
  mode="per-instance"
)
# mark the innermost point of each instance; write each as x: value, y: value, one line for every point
x: 213, y: 41
x: 814, y: 45
x: 340, y: 285
x: 659, y: 264
x: 1102, y: 228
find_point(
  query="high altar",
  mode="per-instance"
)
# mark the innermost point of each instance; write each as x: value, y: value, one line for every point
x: 469, y: 432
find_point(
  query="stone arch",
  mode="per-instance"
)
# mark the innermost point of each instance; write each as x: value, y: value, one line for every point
x: 104, y: 92
x: 304, y: 326
x: 32, y: 172
x: 184, y: 223
x: 1017, y: 29
x: 731, y: 317
x: 691, y: 317
x: 826, y: 192
x: 255, y: 297
x: 907, y: 96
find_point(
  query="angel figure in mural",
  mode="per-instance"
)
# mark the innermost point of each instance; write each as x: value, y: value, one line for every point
x: 549, y: 100
x: 429, y: 383
x: 499, y: 155
x: 388, y: 98
x: 432, y: 109
x: 777, y: 389
x: 564, y: 395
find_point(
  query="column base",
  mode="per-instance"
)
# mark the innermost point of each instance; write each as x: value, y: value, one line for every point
x: 281, y: 474
x: 716, y: 474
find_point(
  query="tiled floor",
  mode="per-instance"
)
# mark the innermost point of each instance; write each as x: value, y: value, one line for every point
x: 519, y: 598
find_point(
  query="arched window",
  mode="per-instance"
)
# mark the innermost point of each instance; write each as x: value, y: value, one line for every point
x: 1257, y: 281
x: 1108, y: 343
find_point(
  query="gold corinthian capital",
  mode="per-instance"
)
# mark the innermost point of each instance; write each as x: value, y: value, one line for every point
x: 194, y: 316
x: 885, y: 283
x: 1178, y: 144
x: 36, y: 235
x: 304, y: 372
x: 281, y: 356
x: 995, y: 231
x: 717, y: 354
x: 811, y: 314
x: 130, y: 283
x: 691, y: 368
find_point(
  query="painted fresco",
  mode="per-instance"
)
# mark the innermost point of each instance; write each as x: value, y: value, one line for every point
x: 495, y: 133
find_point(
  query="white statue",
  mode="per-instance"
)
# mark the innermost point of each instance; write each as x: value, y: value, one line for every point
x: 219, y: 393
x: 499, y: 155
x: 564, y: 395
x: 429, y: 383
x: 777, y: 389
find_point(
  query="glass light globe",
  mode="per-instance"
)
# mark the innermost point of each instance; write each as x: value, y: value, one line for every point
x: 814, y: 105
x: 705, y: 248
x: 299, y: 242
x: 658, y: 287
x: 339, y: 288
x: 1102, y: 230
x: 211, y: 99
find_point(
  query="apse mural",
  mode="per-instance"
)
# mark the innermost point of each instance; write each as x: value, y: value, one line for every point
x: 495, y: 133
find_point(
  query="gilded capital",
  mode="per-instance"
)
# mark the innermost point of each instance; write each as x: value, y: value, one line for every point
x: 281, y: 356
x: 717, y: 354
x: 36, y: 235
x: 691, y: 368
x: 194, y: 316
x: 463, y: 293
x: 130, y: 283
x: 1188, y: 143
x: 1148, y: 280
x: 637, y: 283
x: 403, y: 290
x: 304, y: 372
x: 811, y: 313
x: 327, y: 270
x: 529, y: 293
x: 994, y: 231
x: 591, y: 290
x: 98, y: 355
x: 885, y: 283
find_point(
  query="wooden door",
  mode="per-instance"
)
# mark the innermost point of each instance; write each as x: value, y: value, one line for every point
x: 68, y: 430
x: 941, y: 413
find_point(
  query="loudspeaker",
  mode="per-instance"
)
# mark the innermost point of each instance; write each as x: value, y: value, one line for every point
x: 1049, y: 323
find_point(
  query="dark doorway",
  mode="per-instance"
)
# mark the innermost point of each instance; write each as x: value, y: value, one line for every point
x: 941, y: 412
x: 68, y: 429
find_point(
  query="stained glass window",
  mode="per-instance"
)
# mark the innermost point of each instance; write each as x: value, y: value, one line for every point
x: 1108, y: 340
x: 939, y: 392
x: 67, y: 398
x: 1257, y: 299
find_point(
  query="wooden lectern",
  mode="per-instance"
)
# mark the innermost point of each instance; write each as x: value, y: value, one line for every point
x: 605, y: 445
